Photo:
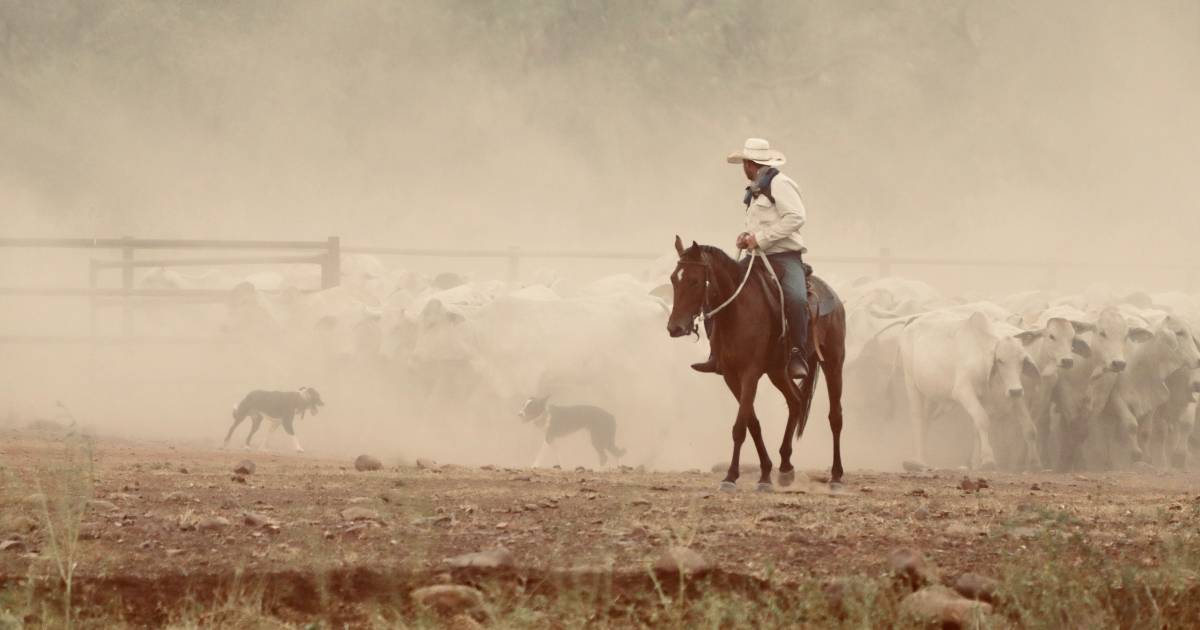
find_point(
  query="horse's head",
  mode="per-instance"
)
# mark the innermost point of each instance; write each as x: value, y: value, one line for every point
x: 688, y: 282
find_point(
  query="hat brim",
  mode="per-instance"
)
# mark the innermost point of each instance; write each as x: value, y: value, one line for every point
x: 774, y: 158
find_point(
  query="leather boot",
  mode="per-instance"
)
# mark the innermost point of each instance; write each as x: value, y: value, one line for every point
x: 709, y: 366
x: 797, y: 366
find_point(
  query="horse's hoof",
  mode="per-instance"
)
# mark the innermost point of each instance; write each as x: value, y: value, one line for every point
x: 764, y: 486
x: 728, y: 486
x: 835, y: 486
x: 786, y: 478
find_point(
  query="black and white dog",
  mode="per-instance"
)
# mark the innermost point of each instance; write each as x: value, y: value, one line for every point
x: 562, y: 421
x: 279, y: 407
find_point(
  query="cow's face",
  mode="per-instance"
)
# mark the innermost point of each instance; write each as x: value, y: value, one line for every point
x: 533, y: 409
x: 1010, y: 363
x: 1062, y: 344
x: 1184, y: 346
x: 1111, y: 336
x: 439, y: 333
x: 688, y: 282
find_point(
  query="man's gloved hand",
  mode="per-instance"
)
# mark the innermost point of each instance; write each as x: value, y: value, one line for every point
x: 746, y: 240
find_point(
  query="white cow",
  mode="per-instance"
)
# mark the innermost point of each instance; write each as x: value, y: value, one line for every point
x: 1141, y: 389
x: 962, y: 360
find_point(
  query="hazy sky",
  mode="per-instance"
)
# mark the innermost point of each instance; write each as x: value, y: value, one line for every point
x: 972, y: 127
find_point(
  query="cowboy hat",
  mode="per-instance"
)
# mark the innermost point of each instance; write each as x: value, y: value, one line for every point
x: 758, y: 151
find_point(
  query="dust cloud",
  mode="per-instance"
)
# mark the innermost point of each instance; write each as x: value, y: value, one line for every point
x: 1010, y: 130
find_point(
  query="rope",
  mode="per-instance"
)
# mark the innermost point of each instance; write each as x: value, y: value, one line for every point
x: 749, y: 268
x: 755, y: 254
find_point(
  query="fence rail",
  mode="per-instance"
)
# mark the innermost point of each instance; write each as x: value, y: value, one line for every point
x: 328, y: 256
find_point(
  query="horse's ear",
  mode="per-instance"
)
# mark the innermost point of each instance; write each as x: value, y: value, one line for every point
x: 695, y: 245
x: 679, y: 245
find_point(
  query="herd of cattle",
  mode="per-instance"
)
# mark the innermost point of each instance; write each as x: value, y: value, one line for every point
x: 1043, y: 380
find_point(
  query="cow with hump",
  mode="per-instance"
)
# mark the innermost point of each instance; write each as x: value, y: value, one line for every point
x: 949, y: 358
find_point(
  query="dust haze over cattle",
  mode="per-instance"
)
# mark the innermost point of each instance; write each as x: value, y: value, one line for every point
x: 1023, y: 131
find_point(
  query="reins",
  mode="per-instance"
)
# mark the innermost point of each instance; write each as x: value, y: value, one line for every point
x: 754, y: 255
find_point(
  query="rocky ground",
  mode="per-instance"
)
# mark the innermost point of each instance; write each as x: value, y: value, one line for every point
x: 165, y: 524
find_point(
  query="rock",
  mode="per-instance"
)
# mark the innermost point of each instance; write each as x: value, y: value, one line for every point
x: 428, y: 521
x: 171, y: 553
x: 100, y: 504
x: 497, y: 558
x: 254, y: 519
x: 12, y: 544
x: 967, y: 485
x: 393, y: 497
x: 365, y: 463
x: 212, y: 523
x: 938, y: 605
x: 640, y: 503
x: 177, y: 497
x: 921, y: 513
x: 979, y: 587
x: 910, y: 567
x: 460, y: 622
x: 19, y: 523
x: 427, y: 464
x: 238, y: 479
x: 449, y: 599
x: 358, y: 500
x: 915, y: 467
x: 681, y: 561
x: 244, y: 467
x: 360, y: 514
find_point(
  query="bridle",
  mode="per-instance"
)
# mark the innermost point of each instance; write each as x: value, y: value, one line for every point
x: 707, y: 314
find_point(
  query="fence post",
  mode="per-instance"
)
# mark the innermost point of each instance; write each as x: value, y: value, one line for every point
x: 331, y: 268
x: 127, y: 285
x: 514, y: 262
x: 885, y: 262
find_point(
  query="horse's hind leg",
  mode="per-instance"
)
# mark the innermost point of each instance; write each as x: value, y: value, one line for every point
x: 795, y: 404
x: 833, y: 384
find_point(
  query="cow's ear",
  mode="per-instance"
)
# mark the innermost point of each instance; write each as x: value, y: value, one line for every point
x: 980, y: 322
x: 679, y: 245
x: 1029, y: 336
x: 1030, y: 369
x: 1137, y: 334
x: 1082, y: 327
x: 1081, y: 347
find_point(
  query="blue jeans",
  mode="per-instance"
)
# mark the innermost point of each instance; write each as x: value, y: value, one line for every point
x: 790, y: 269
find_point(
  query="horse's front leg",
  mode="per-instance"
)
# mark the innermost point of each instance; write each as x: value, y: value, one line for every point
x: 744, y: 389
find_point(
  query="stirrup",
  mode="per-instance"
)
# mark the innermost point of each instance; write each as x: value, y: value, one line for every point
x: 797, y: 366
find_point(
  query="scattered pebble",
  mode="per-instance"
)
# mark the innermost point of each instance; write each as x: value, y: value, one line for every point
x: 449, y: 599
x: 244, y: 467
x: 912, y: 568
x: 364, y: 463
x: 681, y: 561
x: 491, y: 559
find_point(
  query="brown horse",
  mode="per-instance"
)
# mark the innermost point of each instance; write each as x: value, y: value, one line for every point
x: 747, y: 343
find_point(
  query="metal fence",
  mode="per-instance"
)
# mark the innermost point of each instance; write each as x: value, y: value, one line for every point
x: 327, y: 255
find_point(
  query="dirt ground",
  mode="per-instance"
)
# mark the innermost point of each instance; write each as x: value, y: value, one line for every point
x: 149, y: 530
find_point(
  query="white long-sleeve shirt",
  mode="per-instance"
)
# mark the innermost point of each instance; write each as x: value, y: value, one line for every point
x: 776, y: 226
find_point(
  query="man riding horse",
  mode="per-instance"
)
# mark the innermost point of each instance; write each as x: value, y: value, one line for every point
x: 774, y: 215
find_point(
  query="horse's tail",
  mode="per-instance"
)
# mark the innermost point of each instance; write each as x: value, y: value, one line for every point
x: 814, y: 373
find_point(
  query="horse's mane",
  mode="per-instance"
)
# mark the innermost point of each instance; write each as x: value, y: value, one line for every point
x: 716, y: 254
